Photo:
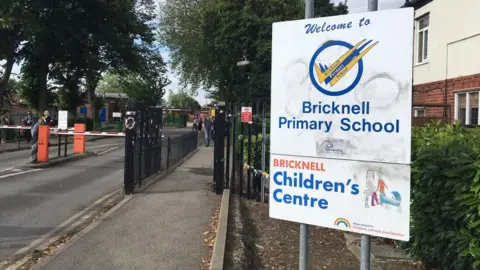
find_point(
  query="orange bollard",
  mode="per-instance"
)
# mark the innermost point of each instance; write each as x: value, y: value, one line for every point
x: 79, y: 140
x: 43, y: 139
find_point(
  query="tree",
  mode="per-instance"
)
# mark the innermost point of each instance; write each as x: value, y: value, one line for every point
x: 63, y: 45
x: 208, y: 37
x: 148, y: 84
x: 182, y: 100
x: 11, y: 35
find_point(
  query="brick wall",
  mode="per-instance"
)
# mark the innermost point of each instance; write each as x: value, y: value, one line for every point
x: 434, y: 92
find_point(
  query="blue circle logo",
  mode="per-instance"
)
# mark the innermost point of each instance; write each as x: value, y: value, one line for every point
x: 324, y: 78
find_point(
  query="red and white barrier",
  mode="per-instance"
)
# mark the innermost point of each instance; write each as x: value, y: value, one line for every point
x: 92, y: 133
x: 25, y: 127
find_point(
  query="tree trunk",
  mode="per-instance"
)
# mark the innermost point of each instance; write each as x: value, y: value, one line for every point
x: 91, y: 83
x: 42, y: 85
x: 6, y: 77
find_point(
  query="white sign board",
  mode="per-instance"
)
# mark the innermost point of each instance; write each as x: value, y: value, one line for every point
x: 117, y: 114
x: 342, y: 99
x: 247, y: 114
x: 63, y: 120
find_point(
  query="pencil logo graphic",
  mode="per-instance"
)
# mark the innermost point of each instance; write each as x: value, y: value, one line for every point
x: 329, y: 76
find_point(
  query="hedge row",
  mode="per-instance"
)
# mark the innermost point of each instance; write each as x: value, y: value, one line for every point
x: 445, y: 205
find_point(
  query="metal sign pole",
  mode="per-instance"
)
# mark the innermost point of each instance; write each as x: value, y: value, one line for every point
x: 303, y: 253
x: 264, y: 134
x: 365, y: 239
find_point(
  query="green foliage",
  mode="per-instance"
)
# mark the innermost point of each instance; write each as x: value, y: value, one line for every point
x: 208, y: 37
x: 445, y: 202
x: 182, y: 100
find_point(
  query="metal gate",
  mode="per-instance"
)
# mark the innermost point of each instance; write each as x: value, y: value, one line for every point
x: 143, y: 144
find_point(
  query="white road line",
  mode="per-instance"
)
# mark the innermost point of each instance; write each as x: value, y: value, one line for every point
x: 5, y: 169
x: 17, y: 173
x: 106, y: 151
x: 51, y: 233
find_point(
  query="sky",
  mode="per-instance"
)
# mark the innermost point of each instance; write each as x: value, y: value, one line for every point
x: 354, y: 6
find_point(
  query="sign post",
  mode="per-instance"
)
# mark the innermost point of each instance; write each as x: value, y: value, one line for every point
x: 247, y: 114
x: 341, y: 125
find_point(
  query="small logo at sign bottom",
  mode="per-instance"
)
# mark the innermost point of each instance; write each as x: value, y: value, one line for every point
x: 342, y: 222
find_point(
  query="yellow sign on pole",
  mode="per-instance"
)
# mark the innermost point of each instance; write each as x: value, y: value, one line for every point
x: 212, y: 114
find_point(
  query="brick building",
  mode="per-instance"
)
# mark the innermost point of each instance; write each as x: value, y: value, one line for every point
x: 446, y: 73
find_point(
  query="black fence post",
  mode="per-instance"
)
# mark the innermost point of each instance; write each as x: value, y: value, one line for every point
x: 249, y: 160
x: 169, y: 149
x: 234, y: 146
x: 227, y: 165
x: 242, y: 146
x: 59, y: 144
x: 219, y: 150
x: 19, y: 139
x: 65, y: 138
x: 130, y: 142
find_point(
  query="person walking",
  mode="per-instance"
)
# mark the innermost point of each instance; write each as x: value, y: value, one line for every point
x: 4, y: 120
x: 46, y: 119
x: 27, y: 121
x: 208, y: 127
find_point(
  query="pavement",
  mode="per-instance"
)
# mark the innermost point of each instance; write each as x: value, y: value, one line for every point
x: 160, y: 228
x: 35, y: 201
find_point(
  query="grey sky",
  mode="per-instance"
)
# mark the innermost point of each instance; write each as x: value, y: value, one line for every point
x: 355, y: 6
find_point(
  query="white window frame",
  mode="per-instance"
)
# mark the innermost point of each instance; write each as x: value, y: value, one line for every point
x: 418, y: 109
x: 421, y: 51
x: 467, y: 107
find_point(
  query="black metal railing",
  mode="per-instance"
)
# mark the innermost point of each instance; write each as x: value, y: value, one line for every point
x: 147, y: 151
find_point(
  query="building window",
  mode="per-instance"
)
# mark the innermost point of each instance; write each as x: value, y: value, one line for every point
x: 419, y: 112
x: 466, y: 108
x: 422, y: 38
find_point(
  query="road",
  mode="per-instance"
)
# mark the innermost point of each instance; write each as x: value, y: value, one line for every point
x: 35, y: 201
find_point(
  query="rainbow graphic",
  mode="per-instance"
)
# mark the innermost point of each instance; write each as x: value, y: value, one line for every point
x: 342, y: 222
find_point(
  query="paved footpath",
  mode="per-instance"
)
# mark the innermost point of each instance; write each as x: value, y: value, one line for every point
x: 160, y: 228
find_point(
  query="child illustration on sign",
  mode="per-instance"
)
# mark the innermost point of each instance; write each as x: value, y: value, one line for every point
x: 377, y: 195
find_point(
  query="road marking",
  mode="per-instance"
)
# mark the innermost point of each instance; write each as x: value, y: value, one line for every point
x: 50, y: 234
x: 106, y: 151
x: 6, y: 169
x: 17, y: 173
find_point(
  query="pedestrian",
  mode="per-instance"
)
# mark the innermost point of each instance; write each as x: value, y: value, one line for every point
x: 46, y: 119
x: 4, y: 120
x: 208, y: 127
x: 195, y: 126
x: 200, y: 122
x: 27, y: 121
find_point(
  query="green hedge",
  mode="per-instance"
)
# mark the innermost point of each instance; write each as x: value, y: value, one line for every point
x: 445, y: 203
x: 256, y: 153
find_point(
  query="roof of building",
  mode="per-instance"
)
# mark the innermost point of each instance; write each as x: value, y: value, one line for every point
x: 113, y: 95
x: 416, y: 3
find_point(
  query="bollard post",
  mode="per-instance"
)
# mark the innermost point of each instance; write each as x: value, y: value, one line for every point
x: 43, y: 139
x: 79, y: 140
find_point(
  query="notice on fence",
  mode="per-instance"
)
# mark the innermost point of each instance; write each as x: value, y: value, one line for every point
x: 63, y: 120
x: 341, y: 98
